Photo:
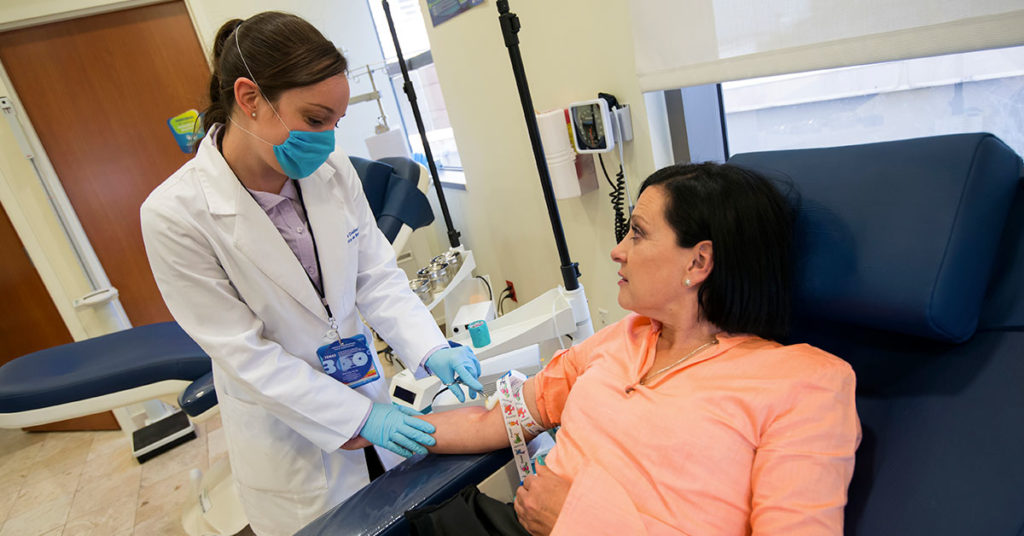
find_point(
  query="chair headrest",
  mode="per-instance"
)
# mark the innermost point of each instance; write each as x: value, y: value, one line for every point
x: 390, y: 189
x: 899, y: 236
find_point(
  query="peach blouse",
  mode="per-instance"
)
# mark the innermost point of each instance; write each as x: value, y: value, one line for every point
x: 745, y: 437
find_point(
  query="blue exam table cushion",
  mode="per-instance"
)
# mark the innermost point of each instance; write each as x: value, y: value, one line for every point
x: 99, y: 366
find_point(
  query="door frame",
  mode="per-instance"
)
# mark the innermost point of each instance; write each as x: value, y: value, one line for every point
x: 68, y: 220
x: 112, y: 317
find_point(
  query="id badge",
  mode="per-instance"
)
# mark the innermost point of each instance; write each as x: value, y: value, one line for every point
x: 349, y: 361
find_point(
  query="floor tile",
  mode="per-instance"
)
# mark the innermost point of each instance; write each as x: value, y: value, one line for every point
x: 10, y: 487
x: 162, y: 500
x: 89, y: 484
x: 63, y: 442
x: 41, y: 519
x: 17, y: 455
x: 63, y: 453
x: 95, y: 493
x: 180, y: 459
x: 51, y: 489
x: 15, y: 440
x: 111, y: 517
x: 166, y: 526
x: 106, y: 443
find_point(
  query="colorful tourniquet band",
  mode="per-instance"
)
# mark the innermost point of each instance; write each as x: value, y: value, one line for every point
x: 517, y: 418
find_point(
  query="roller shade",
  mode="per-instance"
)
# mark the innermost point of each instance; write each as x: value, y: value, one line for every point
x: 688, y: 43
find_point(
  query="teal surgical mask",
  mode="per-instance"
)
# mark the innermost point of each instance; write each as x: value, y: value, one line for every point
x: 303, y: 152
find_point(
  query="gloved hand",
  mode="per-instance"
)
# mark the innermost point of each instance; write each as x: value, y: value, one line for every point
x: 394, y: 428
x: 447, y: 362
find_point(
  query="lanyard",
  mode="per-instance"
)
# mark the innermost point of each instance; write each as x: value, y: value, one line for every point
x: 316, y: 254
x: 317, y: 288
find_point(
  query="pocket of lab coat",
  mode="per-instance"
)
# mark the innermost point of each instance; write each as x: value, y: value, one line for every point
x: 267, y: 454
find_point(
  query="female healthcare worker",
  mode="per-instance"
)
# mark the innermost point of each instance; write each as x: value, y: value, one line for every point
x: 266, y: 252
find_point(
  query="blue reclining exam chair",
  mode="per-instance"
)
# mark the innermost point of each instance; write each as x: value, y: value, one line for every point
x: 911, y: 268
x: 910, y: 260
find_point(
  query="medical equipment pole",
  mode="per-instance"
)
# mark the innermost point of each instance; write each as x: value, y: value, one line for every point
x: 453, y: 235
x: 509, y: 28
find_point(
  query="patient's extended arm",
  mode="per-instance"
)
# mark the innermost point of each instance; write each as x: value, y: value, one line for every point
x: 475, y: 429
x: 471, y: 430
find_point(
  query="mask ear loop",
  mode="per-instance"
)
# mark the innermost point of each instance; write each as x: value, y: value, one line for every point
x: 258, y: 88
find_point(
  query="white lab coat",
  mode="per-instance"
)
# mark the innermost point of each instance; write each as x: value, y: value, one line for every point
x: 233, y: 284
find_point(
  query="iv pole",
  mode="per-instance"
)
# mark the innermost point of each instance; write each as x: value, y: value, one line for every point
x: 559, y: 311
x: 509, y: 28
x: 453, y: 235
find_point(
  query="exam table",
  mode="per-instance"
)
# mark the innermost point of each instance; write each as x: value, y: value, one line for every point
x: 99, y: 374
x: 910, y: 265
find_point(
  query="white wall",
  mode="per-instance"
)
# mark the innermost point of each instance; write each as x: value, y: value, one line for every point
x: 571, y: 51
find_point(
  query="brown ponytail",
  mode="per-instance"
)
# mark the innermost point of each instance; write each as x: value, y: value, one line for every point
x: 217, y: 112
x: 283, y: 51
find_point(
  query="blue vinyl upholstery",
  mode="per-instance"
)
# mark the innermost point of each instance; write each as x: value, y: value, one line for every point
x: 390, y: 188
x: 199, y: 397
x: 422, y: 480
x: 898, y: 236
x: 102, y: 365
x: 911, y: 267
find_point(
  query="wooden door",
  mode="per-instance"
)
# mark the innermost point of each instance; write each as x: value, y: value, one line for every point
x: 29, y: 321
x: 99, y: 91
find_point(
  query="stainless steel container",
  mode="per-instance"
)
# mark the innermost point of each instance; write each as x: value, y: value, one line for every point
x: 438, y: 275
x: 454, y: 260
x: 421, y: 287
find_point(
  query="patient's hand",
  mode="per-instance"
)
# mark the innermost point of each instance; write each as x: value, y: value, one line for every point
x: 540, y: 499
x: 356, y: 443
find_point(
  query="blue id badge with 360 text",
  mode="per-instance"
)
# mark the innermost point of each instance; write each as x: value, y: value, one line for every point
x: 349, y: 361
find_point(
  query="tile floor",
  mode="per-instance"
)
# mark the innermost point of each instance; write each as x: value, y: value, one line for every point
x: 88, y: 483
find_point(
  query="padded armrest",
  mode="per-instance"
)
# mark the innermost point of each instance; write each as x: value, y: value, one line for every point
x: 199, y: 396
x: 417, y: 482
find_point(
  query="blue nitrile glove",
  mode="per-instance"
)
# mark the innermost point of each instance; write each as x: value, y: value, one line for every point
x: 447, y: 362
x: 394, y: 428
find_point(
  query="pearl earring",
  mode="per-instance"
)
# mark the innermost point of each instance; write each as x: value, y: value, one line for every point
x: 254, y: 115
x: 687, y: 282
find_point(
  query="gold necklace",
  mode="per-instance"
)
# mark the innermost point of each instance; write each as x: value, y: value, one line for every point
x: 692, y: 353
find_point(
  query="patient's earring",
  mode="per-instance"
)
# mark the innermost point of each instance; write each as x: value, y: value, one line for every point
x: 254, y: 115
x: 687, y: 282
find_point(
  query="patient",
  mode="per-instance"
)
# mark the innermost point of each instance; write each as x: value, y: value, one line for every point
x: 687, y: 417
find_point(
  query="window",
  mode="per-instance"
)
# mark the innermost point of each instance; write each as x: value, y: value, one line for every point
x: 968, y: 92
x: 412, y: 35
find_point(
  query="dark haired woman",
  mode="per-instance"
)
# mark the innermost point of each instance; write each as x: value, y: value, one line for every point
x: 266, y: 252
x: 685, y: 417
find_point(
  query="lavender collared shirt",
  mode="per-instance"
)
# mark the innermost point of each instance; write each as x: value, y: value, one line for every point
x: 287, y: 214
